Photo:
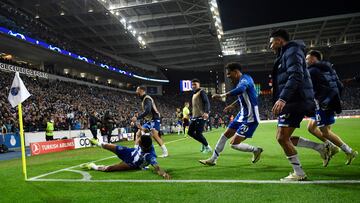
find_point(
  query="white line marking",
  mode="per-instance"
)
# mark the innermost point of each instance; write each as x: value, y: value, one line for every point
x: 67, y: 169
x: 206, y: 181
x: 86, y: 175
x: 174, y: 141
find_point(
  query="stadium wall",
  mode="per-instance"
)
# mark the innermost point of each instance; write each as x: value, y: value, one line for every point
x: 31, y: 137
x: 33, y: 73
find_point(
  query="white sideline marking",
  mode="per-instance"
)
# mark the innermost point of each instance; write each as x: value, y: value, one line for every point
x: 305, y: 119
x: 69, y: 168
x: 205, y: 181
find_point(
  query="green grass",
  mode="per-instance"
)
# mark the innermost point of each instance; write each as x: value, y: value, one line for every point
x: 183, y: 165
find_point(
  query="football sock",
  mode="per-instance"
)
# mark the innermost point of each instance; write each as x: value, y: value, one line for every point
x: 94, y: 166
x: 303, y: 142
x: 219, y: 147
x: 295, y: 163
x: 244, y: 147
x: 346, y: 148
x: 164, y: 149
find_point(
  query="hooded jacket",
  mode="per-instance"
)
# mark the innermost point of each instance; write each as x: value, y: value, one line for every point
x: 292, y: 82
x: 327, y: 86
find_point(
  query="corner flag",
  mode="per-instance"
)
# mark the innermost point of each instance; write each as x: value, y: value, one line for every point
x: 18, y: 93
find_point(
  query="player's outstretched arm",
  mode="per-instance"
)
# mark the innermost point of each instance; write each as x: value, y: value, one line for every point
x: 161, y: 172
x: 234, y: 92
x: 230, y: 107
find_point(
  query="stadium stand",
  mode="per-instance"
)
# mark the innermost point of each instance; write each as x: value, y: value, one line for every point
x: 58, y: 98
x: 18, y: 21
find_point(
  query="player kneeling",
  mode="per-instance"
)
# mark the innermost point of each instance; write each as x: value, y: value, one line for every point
x: 132, y: 158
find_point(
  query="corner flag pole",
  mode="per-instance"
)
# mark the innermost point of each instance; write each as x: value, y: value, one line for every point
x: 18, y: 94
x: 23, y: 156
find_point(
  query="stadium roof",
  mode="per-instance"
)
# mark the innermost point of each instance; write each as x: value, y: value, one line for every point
x: 166, y: 33
x: 184, y: 34
x: 337, y: 36
x: 237, y: 14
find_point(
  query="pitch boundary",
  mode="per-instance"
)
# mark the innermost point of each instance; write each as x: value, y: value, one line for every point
x: 203, y: 181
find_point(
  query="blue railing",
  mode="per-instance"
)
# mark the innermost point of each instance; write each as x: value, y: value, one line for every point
x: 75, y: 56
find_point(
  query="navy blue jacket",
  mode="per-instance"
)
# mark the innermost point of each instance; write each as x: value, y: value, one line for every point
x: 327, y: 86
x: 291, y: 80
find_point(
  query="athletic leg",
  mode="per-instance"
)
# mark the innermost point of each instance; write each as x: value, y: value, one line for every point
x: 246, y: 131
x: 219, y: 147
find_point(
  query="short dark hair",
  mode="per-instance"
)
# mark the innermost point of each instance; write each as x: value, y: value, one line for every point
x: 233, y: 66
x: 280, y: 33
x: 195, y: 80
x: 146, y: 142
x: 315, y: 53
x: 143, y: 88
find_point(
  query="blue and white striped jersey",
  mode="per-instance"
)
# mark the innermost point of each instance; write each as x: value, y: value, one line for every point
x: 247, y: 97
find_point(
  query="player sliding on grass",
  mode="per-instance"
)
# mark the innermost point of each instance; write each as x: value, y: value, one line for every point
x: 247, y: 120
x: 132, y: 158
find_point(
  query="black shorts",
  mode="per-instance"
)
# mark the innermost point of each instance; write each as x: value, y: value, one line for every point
x: 292, y: 120
x: 186, y: 122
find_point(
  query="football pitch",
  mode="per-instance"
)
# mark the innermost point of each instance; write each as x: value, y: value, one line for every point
x: 57, y: 177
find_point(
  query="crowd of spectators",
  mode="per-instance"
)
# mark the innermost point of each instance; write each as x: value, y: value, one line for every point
x: 21, y: 22
x: 57, y: 100
x: 351, y: 95
x: 52, y: 71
